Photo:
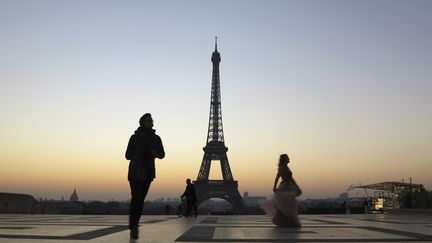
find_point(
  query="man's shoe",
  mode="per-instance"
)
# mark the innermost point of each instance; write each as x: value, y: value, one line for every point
x: 134, y: 233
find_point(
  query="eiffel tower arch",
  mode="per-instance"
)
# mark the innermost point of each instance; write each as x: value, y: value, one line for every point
x: 215, y: 150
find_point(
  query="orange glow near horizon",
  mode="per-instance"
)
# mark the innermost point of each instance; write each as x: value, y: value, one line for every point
x: 104, y: 177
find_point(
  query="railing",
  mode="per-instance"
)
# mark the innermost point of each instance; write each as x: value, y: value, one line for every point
x: 215, y: 182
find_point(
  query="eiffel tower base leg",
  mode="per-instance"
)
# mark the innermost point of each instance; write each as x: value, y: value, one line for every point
x: 227, y: 190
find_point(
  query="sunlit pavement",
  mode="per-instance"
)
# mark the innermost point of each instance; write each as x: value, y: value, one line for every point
x: 209, y: 228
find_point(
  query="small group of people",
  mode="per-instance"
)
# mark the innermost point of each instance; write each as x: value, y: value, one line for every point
x: 145, y: 146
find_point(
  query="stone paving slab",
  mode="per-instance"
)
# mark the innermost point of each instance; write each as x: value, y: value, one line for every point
x: 168, y: 228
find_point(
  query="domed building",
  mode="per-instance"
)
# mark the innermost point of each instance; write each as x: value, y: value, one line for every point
x: 74, y: 196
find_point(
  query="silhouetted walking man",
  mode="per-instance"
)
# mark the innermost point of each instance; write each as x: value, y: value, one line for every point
x: 144, y: 146
x: 191, y: 198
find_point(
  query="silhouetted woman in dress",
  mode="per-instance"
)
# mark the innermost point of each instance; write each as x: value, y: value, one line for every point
x: 284, y: 200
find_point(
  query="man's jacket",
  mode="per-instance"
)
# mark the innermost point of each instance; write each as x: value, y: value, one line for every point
x: 190, y: 193
x: 143, y: 147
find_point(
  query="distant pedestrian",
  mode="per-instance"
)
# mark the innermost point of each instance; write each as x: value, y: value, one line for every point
x: 191, y: 198
x: 167, y: 209
x: 144, y: 146
x: 344, y: 206
x: 408, y: 200
x: 366, y: 206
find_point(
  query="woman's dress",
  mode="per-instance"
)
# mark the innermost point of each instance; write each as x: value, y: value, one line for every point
x: 283, y: 207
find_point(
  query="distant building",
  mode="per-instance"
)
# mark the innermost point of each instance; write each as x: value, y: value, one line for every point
x: 252, y: 201
x: 395, y: 194
x: 17, y: 203
x: 74, y: 196
x: 343, y: 195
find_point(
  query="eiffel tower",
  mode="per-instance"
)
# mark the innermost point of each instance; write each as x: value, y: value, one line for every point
x: 215, y: 150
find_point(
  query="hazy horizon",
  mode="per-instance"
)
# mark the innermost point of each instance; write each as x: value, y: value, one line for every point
x: 342, y: 87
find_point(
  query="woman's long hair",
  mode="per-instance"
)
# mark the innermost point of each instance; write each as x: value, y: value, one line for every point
x: 283, y: 160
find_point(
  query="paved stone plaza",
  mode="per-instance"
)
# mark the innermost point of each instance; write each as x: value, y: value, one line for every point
x: 316, y: 228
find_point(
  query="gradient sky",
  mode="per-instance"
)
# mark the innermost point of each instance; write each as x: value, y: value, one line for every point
x: 343, y: 87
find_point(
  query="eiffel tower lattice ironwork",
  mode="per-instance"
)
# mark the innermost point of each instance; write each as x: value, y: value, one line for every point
x: 215, y: 150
